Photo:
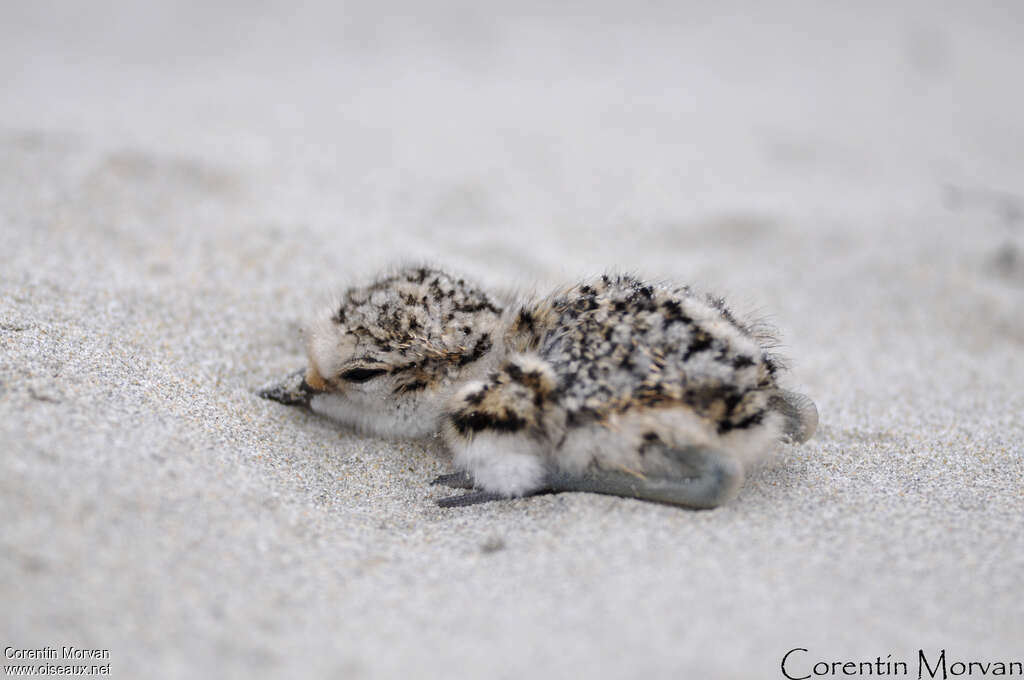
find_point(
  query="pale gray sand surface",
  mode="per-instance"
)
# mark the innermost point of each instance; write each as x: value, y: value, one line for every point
x: 178, y: 182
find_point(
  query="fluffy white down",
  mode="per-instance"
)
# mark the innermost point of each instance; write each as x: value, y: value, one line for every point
x: 500, y: 463
x: 398, y: 419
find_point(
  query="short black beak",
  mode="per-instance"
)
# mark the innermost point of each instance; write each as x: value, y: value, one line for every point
x: 292, y: 390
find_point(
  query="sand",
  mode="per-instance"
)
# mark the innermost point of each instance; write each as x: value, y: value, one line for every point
x: 181, y: 183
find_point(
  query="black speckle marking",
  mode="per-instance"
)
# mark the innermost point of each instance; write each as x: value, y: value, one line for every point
x: 477, y: 421
x: 477, y: 397
x: 525, y: 320
x: 478, y: 306
x: 482, y: 346
x: 732, y: 400
x: 514, y: 372
x: 674, y: 313
x: 701, y: 342
x: 748, y: 422
x: 414, y: 386
x: 742, y: 361
x: 651, y: 440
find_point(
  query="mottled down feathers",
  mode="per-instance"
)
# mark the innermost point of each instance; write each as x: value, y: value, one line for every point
x: 613, y: 385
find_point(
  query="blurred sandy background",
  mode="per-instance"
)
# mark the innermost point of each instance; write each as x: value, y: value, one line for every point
x: 179, y: 181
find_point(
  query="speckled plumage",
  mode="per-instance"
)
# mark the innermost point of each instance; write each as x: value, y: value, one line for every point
x: 613, y: 385
x: 618, y: 343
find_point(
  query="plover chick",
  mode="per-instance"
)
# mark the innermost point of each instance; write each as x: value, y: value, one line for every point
x: 614, y: 385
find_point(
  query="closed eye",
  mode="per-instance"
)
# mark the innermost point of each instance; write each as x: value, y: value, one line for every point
x: 359, y: 375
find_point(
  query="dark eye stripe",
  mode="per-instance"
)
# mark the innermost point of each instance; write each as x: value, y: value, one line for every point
x: 362, y: 374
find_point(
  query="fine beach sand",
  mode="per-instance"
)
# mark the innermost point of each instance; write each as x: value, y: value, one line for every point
x: 180, y: 184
